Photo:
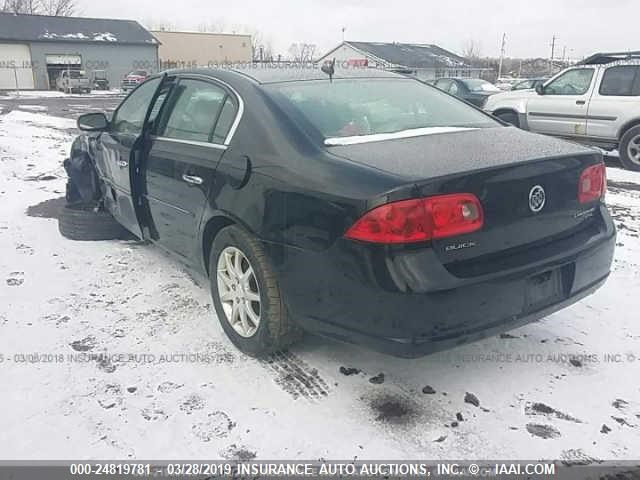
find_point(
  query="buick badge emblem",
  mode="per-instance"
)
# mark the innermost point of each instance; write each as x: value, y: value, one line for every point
x: 537, y: 199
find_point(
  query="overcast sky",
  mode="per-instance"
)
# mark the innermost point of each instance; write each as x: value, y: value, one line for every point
x: 582, y: 26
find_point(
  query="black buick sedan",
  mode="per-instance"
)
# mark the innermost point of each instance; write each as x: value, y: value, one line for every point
x: 367, y: 207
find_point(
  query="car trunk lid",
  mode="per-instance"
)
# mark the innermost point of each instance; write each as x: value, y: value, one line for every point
x: 527, y: 185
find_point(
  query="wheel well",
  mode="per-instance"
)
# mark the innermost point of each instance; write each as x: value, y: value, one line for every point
x: 214, y: 225
x: 631, y: 124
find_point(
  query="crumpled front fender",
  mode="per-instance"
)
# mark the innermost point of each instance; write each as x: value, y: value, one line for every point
x: 83, y: 185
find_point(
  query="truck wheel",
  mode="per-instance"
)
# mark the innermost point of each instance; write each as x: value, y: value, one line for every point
x: 509, y: 117
x: 630, y: 149
x: 246, y: 295
x: 82, y: 223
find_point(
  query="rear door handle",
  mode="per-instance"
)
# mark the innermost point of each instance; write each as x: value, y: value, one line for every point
x: 580, y: 102
x: 192, y: 179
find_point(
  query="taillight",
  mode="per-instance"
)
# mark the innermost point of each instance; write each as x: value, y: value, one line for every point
x: 419, y: 219
x: 593, y: 183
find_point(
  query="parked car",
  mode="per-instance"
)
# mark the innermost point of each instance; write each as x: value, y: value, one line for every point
x: 592, y: 104
x: 100, y: 80
x: 506, y: 83
x: 132, y: 79
x: 529, y: 83
x: 473, y: 90
x: 372, y: 208
x: 73, y: 81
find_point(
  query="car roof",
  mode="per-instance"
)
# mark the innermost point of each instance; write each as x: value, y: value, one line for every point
x: 274, y: 74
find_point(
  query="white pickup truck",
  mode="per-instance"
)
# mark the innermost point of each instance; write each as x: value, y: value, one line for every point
x: 595, y: 103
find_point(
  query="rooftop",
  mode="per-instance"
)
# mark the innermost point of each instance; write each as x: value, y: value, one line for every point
x: 608, y: 57
x: 412, y: 55
x: 42, y: 28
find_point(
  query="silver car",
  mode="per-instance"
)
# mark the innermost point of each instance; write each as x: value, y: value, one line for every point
x: 597, y: 104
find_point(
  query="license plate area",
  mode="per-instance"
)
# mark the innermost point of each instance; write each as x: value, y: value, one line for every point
x: 543, y: 289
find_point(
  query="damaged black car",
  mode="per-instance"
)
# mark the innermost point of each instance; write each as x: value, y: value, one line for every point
x: 360, y: 205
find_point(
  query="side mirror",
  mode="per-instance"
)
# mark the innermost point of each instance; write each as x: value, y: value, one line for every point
x: 93, y: 122
x: 540, y: 89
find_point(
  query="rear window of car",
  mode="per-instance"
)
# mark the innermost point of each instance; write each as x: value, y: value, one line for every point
x: 621, y: 81
x: 354, y: 107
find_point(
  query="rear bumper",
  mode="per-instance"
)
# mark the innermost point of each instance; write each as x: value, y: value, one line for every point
x: 371, y: 296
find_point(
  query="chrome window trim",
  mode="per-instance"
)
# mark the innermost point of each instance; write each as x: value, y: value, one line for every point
x: 217, y: 146
x: 239, y: 113
x: 379, y: 137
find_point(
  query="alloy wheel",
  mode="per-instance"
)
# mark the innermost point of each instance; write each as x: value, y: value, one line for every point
x: 239, y: 291
x: 633, y: 150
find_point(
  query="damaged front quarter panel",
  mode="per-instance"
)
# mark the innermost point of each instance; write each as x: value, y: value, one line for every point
x: 83, y: 185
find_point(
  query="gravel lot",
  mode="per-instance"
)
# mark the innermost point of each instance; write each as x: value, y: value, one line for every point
x: 112, y: 350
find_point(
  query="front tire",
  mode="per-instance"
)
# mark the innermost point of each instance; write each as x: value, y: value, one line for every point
x: 630, y: 149
x: 247, y: 296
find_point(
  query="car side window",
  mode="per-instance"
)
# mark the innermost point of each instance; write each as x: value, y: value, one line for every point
x: 196, y: 105
x: 619, y: 81
x: 453, y: 88
x: 129, y: 117
x: 572, y: 82
x: 225, y: 120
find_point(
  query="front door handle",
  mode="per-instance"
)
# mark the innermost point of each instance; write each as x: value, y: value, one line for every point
x: 123, y: 163
x: 192, y: 179
x: 580, y: 102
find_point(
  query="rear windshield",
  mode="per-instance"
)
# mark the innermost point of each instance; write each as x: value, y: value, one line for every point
x: 366, y: 106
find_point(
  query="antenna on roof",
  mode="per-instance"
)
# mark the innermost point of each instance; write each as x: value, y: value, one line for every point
x: 329, y: 68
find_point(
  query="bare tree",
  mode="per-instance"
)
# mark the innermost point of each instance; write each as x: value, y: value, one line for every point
x: 302, y: 52
x: 29, y: 7
x: 58, y: 8
x: 471, y: 50
x: 218, y: 25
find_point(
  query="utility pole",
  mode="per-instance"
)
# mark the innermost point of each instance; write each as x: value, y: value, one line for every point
x: 553, y: 50
x: 502, y: 50
x: 343, y: 29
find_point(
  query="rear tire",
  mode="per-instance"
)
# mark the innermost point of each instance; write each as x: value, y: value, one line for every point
x: 274, y: 330
x: 630, y: 149
x: 82, y: 223
x: 509, y: 117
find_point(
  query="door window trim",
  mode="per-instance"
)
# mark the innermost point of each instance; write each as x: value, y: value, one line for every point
x: 235, y: 97
x: 217, y: 146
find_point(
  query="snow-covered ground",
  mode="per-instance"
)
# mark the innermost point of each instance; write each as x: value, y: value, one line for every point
x: 11, y: 94
x: 164, y: 382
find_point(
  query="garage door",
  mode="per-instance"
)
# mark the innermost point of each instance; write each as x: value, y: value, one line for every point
x: 15, y: 66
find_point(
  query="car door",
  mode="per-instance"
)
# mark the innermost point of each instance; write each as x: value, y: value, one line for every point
x: 188, y: 144
x: 119, y: 152
x: 614, y: 101
x: 562, y: 108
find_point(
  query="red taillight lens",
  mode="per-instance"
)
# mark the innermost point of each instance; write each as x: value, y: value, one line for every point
x: 420, y: 219
x: 593, y: 183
